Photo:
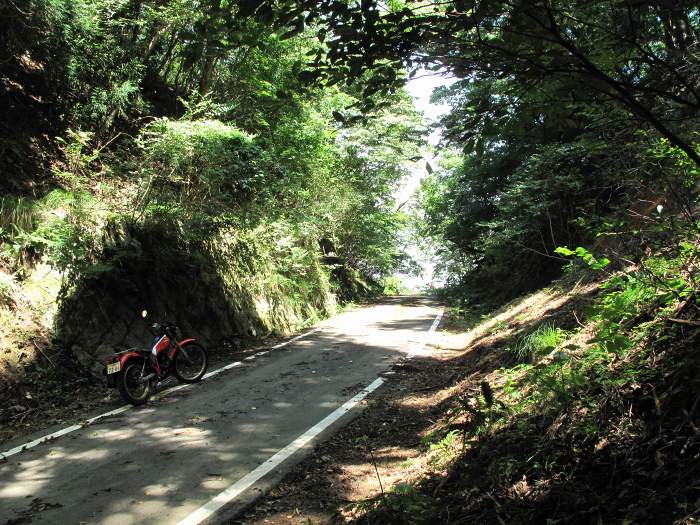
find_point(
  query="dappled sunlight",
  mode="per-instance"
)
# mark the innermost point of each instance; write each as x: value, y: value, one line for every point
x: 158, y: 489
x: 440, y: 393
x: 175, y: 453
x: 247, y: 168
x: 394, y: 452
x: 413, y: 434
x: 119, y: 518
x: 512, y: 318
x: 444, y: 398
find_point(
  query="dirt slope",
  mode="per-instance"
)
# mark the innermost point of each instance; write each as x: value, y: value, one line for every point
x: 479, y: 433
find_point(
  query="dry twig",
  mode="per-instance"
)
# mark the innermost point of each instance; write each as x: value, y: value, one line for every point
x: 690, y: 322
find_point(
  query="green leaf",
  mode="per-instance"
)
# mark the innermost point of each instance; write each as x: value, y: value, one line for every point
x: 563, y: 250
x: 599, y: 264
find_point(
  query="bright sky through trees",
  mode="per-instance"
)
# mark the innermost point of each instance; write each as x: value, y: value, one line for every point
x: 420, y: 88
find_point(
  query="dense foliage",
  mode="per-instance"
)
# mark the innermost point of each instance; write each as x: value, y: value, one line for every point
x: 559, y: 112
x: 239, y: 161
x: 192, y: 111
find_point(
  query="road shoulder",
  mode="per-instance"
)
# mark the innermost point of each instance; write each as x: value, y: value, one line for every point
x: 374, y: 452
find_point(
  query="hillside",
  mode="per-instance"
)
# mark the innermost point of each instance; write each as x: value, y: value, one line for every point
x: 519, y: 415
x: 234, y: 166
x: 137, y: 177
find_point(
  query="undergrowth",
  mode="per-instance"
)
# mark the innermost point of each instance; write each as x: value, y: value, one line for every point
x: 592, y: 418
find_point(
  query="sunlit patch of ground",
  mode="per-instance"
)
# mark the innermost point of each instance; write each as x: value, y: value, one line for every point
x: 403, y: 436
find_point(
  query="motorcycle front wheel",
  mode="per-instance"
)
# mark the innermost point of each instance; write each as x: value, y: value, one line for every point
x: 131, y: 387
x: 190, y: 363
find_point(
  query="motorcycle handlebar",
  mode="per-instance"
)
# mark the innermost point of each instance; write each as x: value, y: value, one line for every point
x: 166, y: 327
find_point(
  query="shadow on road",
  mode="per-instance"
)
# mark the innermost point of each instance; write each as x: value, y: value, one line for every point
x: 177, y: 452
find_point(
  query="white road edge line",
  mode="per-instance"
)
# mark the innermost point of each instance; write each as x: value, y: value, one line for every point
x: 436, y: 321
x: 233, y: 491
x: 67, y: 430
x: 432, y: 328
x: 294, y: 339
x: 249, y: 479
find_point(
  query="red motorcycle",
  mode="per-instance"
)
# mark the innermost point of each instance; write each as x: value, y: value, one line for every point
x: 137, y: 371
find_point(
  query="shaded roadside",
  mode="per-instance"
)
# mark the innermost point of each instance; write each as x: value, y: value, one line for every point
x: 431, y: 448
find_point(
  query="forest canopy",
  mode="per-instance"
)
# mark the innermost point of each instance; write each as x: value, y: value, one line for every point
x: 198, y: 111
x: 236, y: 163
x: 565, y: 113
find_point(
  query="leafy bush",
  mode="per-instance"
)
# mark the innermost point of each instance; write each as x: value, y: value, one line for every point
x: 7, y: 286
x: 17, y: 213
x: 205, y: 166
x: 394, y: 286
x: 54, y: 227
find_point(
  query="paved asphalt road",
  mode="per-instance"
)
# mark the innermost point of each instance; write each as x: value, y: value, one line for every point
x: 164, y: 461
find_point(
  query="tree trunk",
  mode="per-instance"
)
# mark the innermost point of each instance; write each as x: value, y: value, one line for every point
x: 207, y: 73
x: 167, y: 61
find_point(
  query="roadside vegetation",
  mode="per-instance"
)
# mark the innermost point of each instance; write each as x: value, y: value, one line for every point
x: 578, y: 407
x: 168, y: 157
x: 234, y: 165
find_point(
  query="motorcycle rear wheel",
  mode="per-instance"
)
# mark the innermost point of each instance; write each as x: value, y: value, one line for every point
x: 131, y: 388
x: 191, y: 370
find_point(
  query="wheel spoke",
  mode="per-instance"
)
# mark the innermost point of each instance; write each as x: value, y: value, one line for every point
x: 190, y: 364
x: 184, y: 352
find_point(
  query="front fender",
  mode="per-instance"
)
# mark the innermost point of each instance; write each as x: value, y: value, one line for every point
x: 186, y: 341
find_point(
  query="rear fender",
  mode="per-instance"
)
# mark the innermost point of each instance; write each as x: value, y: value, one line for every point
x: 125, y: 358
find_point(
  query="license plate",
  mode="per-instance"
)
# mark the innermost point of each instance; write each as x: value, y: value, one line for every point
x: 113, y: 368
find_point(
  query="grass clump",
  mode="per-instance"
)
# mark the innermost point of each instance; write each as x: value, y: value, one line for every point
x: 7, y: 286
x: 540, y: 342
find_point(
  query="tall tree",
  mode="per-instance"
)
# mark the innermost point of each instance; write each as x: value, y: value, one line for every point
x: 641, y: 54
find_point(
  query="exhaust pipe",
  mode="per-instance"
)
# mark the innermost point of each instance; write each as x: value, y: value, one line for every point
x: 147, y: 378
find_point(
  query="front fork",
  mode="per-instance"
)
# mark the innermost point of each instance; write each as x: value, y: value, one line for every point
x: 180, y: 348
